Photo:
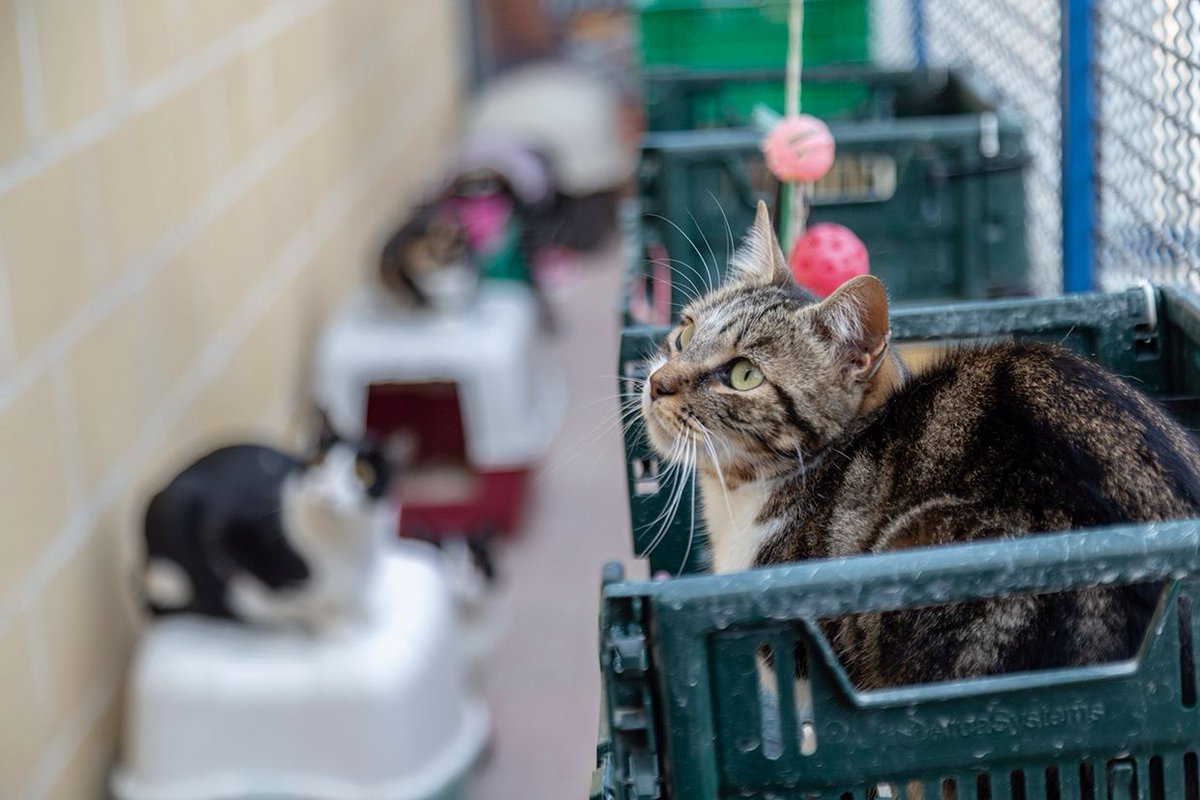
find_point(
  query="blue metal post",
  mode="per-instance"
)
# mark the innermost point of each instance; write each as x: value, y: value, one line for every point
x: 918, y: 32
x: 1078, y: 146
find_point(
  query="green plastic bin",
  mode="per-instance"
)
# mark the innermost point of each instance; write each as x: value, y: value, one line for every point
x: 747, y: 34
x: 708, y: 63
x: 682, y: 715
x: 929, y: 175
x: 693, y: 100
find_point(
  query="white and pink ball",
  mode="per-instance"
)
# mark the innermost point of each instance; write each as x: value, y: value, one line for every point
x: 799, y: 149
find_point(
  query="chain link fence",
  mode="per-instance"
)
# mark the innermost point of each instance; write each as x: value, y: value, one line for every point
x: 1013, y: 46
x: 893, y: 34
x: 1144, y: 64
x: 1146, y: 73
x: 1144, y: 70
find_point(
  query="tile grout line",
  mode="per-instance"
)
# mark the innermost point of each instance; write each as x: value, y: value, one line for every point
x: 8, y: 349
x: 179, y: 19
x: 220, y: 198
x: 75, y: 530
x: 116, y: 60
x: 39, y: 662
x: 187, y: 72
x: 215, y: 119
x: 91, y: 223
x: 63, y: 747
x: 32, y: 100
x: 70, y: 448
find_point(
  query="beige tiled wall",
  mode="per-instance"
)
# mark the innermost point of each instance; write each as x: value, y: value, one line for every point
x: 186, y: 187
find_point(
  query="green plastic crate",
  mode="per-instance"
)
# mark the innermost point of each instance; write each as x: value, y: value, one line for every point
x: 682, y: 716
x: 747, y: 34
x: 690, y: 101
x: 708, y: 64
x: 929, y: 176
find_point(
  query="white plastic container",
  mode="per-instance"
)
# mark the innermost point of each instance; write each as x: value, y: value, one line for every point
x: 217, y: 711
x: 508, y: 400
x: 513, y: 397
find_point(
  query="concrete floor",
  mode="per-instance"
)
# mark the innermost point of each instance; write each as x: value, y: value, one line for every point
x: 544, y: 682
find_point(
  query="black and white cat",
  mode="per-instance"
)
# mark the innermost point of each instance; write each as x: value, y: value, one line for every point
x: 254, y: 534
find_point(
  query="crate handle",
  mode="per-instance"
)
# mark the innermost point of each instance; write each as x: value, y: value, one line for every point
x: 989, y: 166
x: 989, y: 134
x: 1151, y: 296
x: 992, y: 685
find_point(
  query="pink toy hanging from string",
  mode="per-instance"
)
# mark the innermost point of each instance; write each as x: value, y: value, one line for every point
x: 799, y: 151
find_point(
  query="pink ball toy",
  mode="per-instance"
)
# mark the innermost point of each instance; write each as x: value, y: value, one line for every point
x: 826, y: 256
x: 799, y: 149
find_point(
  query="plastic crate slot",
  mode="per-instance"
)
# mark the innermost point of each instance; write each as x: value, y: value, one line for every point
x: 804, y: 705
x: 629, y: 719
x: 1157, y: 790
x: 650, y: 285
x: 769, y: 716
x: 1016, y: 784
x: 634, y: 369
x: 945, y: 789
x: 1146, y: 348
x: 645, y: 475
x: 1191, y: 777
x: 983, y: 786
x: 1187, y: 662
x: 808, y: 738
x: 857, y: 178
x: 627, y: 655
x: 1053, y: 789
x: 1122, y: 779
x: 631, y: 390
x: 643, y: 775
x: 1087, y: 781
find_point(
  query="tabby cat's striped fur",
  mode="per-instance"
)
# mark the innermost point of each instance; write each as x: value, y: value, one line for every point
x: 839, y: 451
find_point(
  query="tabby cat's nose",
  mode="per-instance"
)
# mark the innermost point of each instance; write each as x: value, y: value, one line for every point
x: 659, y: 388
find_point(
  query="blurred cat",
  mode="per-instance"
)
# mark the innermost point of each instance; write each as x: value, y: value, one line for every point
x: 427, y: 263
x: 251, y: 533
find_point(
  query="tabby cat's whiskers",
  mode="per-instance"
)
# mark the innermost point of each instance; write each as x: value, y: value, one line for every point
x: 682, y: 462
x: 712, y: 281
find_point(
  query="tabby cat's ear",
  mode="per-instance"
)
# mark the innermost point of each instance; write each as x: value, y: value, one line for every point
x: 856, y: 318
x: 760, y: 259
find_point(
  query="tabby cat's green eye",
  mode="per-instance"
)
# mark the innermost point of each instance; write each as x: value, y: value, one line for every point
x: 744, y: 376
x: 685, y: 336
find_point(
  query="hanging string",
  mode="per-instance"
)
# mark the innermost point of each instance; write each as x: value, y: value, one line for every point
x: 791, y: 100
x: 796, y: 197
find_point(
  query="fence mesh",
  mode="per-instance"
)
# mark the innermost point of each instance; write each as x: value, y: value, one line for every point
x: 893, y: 44
x: 1014, y: 46
x: 1147, y: 127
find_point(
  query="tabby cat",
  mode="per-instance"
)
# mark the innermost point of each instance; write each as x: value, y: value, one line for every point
x: 427, y: 263
x: 813, y: 441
